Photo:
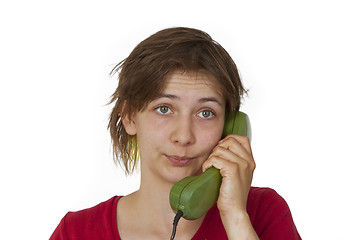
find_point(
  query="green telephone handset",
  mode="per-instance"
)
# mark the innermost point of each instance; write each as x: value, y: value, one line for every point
x: 195, y: 195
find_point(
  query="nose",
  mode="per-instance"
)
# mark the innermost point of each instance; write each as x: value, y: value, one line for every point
x: 183, y: 132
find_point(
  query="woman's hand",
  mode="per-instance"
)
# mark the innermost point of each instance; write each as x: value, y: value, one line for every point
x: 233, y: 157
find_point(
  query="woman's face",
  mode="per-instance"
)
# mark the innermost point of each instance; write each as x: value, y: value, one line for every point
x: 177, y: 131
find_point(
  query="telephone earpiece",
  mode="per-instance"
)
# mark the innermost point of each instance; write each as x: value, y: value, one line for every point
x: 195, y: 195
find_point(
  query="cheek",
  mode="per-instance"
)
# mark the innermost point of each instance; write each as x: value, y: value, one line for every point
x: 149, y: 133
x: 210, y: 140
x: 148, y: 145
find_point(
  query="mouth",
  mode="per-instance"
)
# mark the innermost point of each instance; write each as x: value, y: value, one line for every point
x: 179, y: 161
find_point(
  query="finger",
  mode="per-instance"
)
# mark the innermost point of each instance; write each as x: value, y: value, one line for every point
x: 240, y: 148
x: 220, y: 163
x: 230, y: 151
x: 243, y: 140
x: 230, y: 168
x: 221, y: 154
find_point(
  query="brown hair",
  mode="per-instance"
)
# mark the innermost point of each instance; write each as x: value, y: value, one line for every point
x: 143, y: 73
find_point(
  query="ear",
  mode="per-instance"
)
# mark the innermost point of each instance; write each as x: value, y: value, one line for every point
x: 129, y: 124
x: 128, y: 121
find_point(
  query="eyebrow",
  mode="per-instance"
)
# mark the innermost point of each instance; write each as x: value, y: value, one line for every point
x: 201, y: 100
x: 210, y: 99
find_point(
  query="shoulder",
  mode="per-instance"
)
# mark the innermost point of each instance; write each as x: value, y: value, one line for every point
x: 101, y: 211
x: 270, y: 214
x: 99, y: 220
x: 259, y: 196
x: 265, y: 203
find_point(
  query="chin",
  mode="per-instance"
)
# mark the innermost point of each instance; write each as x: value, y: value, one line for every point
x: 176, y: 175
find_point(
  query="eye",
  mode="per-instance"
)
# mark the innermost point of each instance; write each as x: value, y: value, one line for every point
x: 206, y: 114
x: 163, y: 110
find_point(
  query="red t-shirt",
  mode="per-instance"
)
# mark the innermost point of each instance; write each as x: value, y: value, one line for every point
x: 269, y: 214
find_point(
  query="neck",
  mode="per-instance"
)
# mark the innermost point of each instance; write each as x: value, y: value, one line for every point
x: 153, y: 212
x: 154, y: 196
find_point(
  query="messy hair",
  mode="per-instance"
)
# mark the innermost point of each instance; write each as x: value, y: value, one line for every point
x: 143, y: 73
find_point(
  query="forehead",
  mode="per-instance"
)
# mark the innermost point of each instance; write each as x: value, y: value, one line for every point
x: 199, y: 80
x: 187, y: 85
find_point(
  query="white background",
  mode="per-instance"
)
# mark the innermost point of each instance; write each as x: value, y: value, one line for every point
x: 300, y: 60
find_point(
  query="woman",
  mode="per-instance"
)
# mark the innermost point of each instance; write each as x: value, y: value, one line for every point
x: 175, y: 91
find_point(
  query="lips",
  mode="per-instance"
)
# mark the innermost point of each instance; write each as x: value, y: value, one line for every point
x: 179, y: 161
